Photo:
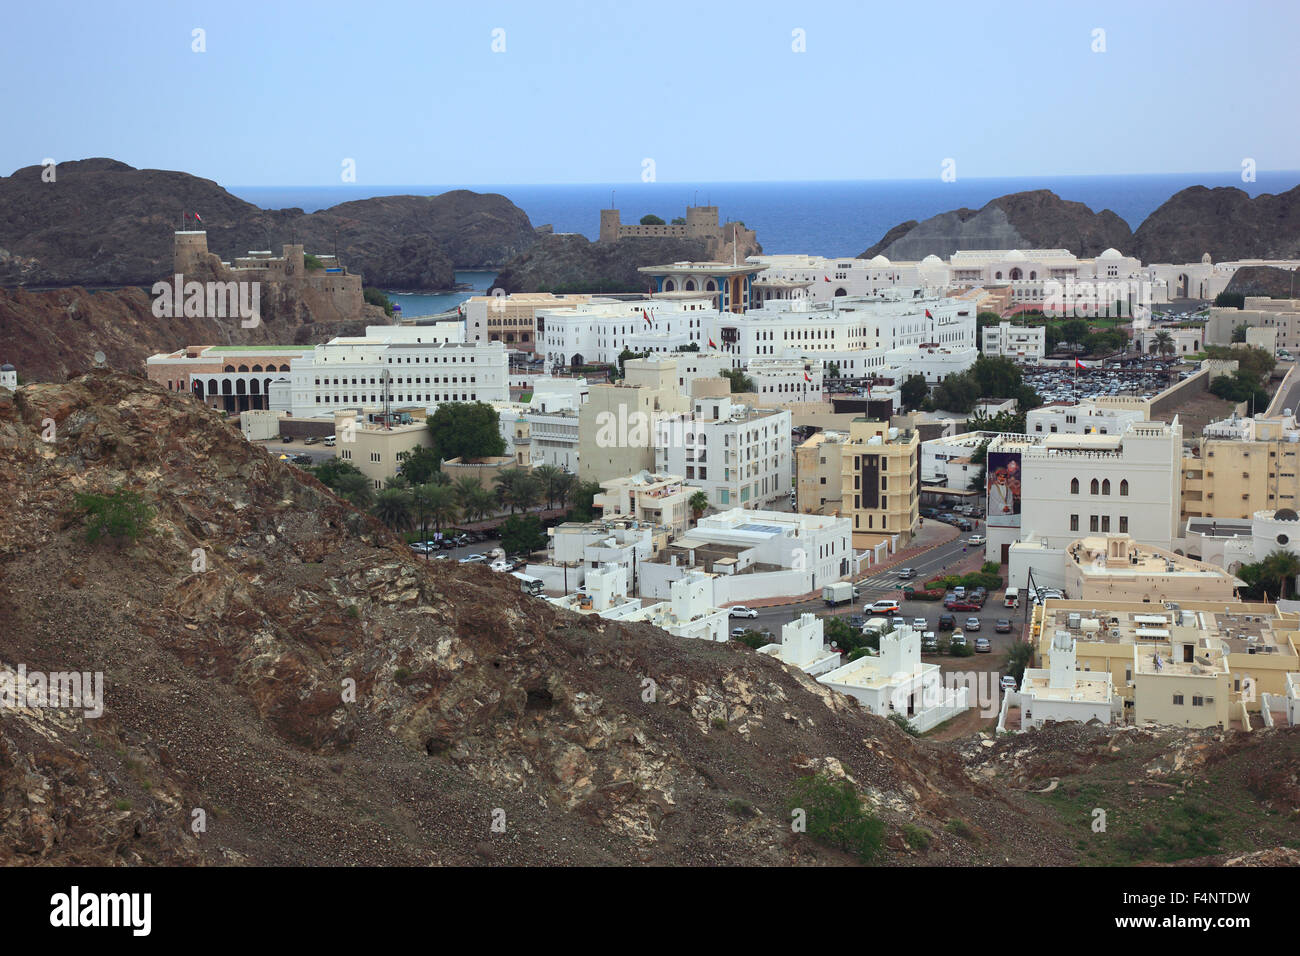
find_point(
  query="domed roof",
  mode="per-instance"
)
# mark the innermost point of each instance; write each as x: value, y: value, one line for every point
x: 1015, y: 255
x: 932, y: 260
x: 6, y: 367
x: 879, y: 260
x: 1285, y: 514
x: 1205, y: 259
x: 1111, y: 254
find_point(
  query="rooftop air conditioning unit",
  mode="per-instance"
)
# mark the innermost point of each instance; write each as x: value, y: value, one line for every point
x: 1114, y: 632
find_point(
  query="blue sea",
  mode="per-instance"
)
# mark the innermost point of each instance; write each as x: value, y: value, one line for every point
x: 819, y: 218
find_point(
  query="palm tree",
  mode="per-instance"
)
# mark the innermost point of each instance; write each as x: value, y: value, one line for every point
x: 464, y: 486
x: 393, y: 508
x: 549, y: 476
x: 1018, y: 658
x: 525, y: 492
x: 1164, y: 343
x: 396, y: 481
x: 443, y: 507
x: 505, y: 482
x: 478, y: 504
x: 1281, y: 567
x: 439, y: 478
x: 698, y: 503
x: 565, y: 485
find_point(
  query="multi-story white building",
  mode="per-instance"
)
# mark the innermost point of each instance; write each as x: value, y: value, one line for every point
x: 803, y: 645
x: 934, y: 364
x: 397, y: 364
x: 1047, y: 491
x: 1022, y: 343
x: 738, y: 455
x: 599, y: 330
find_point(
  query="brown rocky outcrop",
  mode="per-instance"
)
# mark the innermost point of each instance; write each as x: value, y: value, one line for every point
x: 1225, y: 222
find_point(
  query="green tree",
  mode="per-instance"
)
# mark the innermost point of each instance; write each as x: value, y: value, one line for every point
x: 345, y: 480
x: 832, y: 370
x: 1281, y: 567
x: 1239, y: 332
x: 583, y: 494
x: 1230, y: 300
x: 119, y: 516
x: 393, y: 508
x: 550, y: 478
x: 420, y: 465
x: 441, y: 504
x: 465, y: 430
x: 1019, y: 657
x: 1075, y: 331
x: 698, y: 503
x: 522, y: 534
x: 625, y: 356
x: 479, y: 504
x: 740, y: 382
x: 833, y: 814
x: 1165, y: 343
x: 689, y: 347
x: 650, y: 219
x: 311, y: 263
x: 375, y: 297
x: 913, y: 391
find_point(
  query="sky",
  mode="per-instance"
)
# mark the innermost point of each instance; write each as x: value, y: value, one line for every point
x: 286, y: 92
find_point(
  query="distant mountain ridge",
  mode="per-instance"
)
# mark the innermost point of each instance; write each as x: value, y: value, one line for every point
x: 104, y: 223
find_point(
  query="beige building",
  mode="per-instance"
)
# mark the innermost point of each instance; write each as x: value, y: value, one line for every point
x: 1117, y: 568
x: 645, y: 497
x: 375, y: 450
x: 1185, y: 664
x: 512, y: 319
x: 1261, y: 312
x: 1254, y: 467
x: 616, y: 425
x: 818, y: 468
x: 879, y: 482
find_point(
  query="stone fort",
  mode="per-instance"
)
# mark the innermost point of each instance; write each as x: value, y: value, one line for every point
x: 701, y: 223
x: 330, y: 293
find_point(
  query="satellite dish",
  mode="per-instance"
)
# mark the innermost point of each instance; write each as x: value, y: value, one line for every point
x: 100, y: 359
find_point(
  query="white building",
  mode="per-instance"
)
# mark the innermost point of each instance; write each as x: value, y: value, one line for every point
x: 688, y: 613
x: 934, y: 364
x: 1074, y: 485
x: 1080, y: 418
x: 598, y: 331
x: 737, y: 455
x: 398, y: 364
x: 1021, y: 343
x: 658, y: 499
x: 896, y: 682
x: 803, y: 646
x: 1060, y: 692
x: 8, y: 377
x: 756, y: 554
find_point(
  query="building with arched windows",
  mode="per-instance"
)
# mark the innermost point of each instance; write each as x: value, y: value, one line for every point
x: 232, y: 378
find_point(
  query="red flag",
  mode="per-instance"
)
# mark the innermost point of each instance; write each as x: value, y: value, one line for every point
x: 197, y: 217
x: 1078, y: 364
x: 645, y: 315
x: 928, y: 315
x: 826, y: 278
x: 711, y: 344
x: 806, y: 378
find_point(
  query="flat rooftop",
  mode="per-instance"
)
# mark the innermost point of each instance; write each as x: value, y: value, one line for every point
x: 1086, y: 687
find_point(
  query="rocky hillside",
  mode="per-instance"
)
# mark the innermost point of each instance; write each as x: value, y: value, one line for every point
x: 1265, y: 280
x: 102, y: 222
x: 1225, y: 222
x: 573, y: 263
x: 227, y: 689
x: 50, y: 336
x: 1028, y: 220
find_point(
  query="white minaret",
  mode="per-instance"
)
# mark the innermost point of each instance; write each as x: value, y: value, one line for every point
x: 1061, y: 668
x: 8, y: 377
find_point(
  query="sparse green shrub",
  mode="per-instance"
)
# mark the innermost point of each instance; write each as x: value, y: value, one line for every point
x: 918, y: 838
x: 903, y: 724
x: 959, y: 827
x: 119, y: 516
x: 834, y: 815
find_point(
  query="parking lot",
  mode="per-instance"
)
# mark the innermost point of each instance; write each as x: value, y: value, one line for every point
x: 1071, y: 385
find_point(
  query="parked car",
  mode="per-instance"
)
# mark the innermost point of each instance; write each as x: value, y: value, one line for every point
x: 286, y: 439
x: 301, y: 459
x: 959, y: 591
x: 958, y: 639
x: 423, y: 547
x: 741, y: 611
x: 976, y: 539
x: 329, y: 442
x: 447, y: 544
x: 474, y: 559
x: 1002, y: 625
x: 982, y: 646
x: 963, y: 524
x: 738, y: 631
x: 918, y: 623
x: 883, y: 606
x: 313, y: 440
x: 972, y: 624
x: 947, y: 622
x: 1008, y: 682
x: 907, y: 573
x: 929, y: 642
x: 856, y: 621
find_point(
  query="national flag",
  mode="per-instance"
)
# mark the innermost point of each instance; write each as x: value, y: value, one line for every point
x: 928, y: 315
x: 1078, y: 364
x: 711, y: 344
x: 826, y: 278
x: 806, y: 378
x: 646, y: 315
x: 197, y: 217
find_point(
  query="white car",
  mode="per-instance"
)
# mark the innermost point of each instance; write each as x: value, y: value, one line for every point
x: 499, y: 566
x: 1008, y: 682
x: 741, y: 611
x: 474, y: 559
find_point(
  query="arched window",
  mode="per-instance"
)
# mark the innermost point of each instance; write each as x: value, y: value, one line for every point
x: 1105, y: 487
x: 1123, y: 488
x: 1074, y: 486
x: 1093, y: 487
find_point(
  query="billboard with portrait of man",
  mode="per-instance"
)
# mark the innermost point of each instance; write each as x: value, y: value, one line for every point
x: 1003, y: 477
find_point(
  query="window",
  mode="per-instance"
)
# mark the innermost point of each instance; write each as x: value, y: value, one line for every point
x: 1105, y: 487
x: 1074, y: 522
x: 1094, y: 487
x: 1123, y: 524
x: 1092, y: 523
x: 1123, y: 488
x: 1105, y: 523
x: 1178, y: 700
x: 1198, y: 701
x: 1074, y: 486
